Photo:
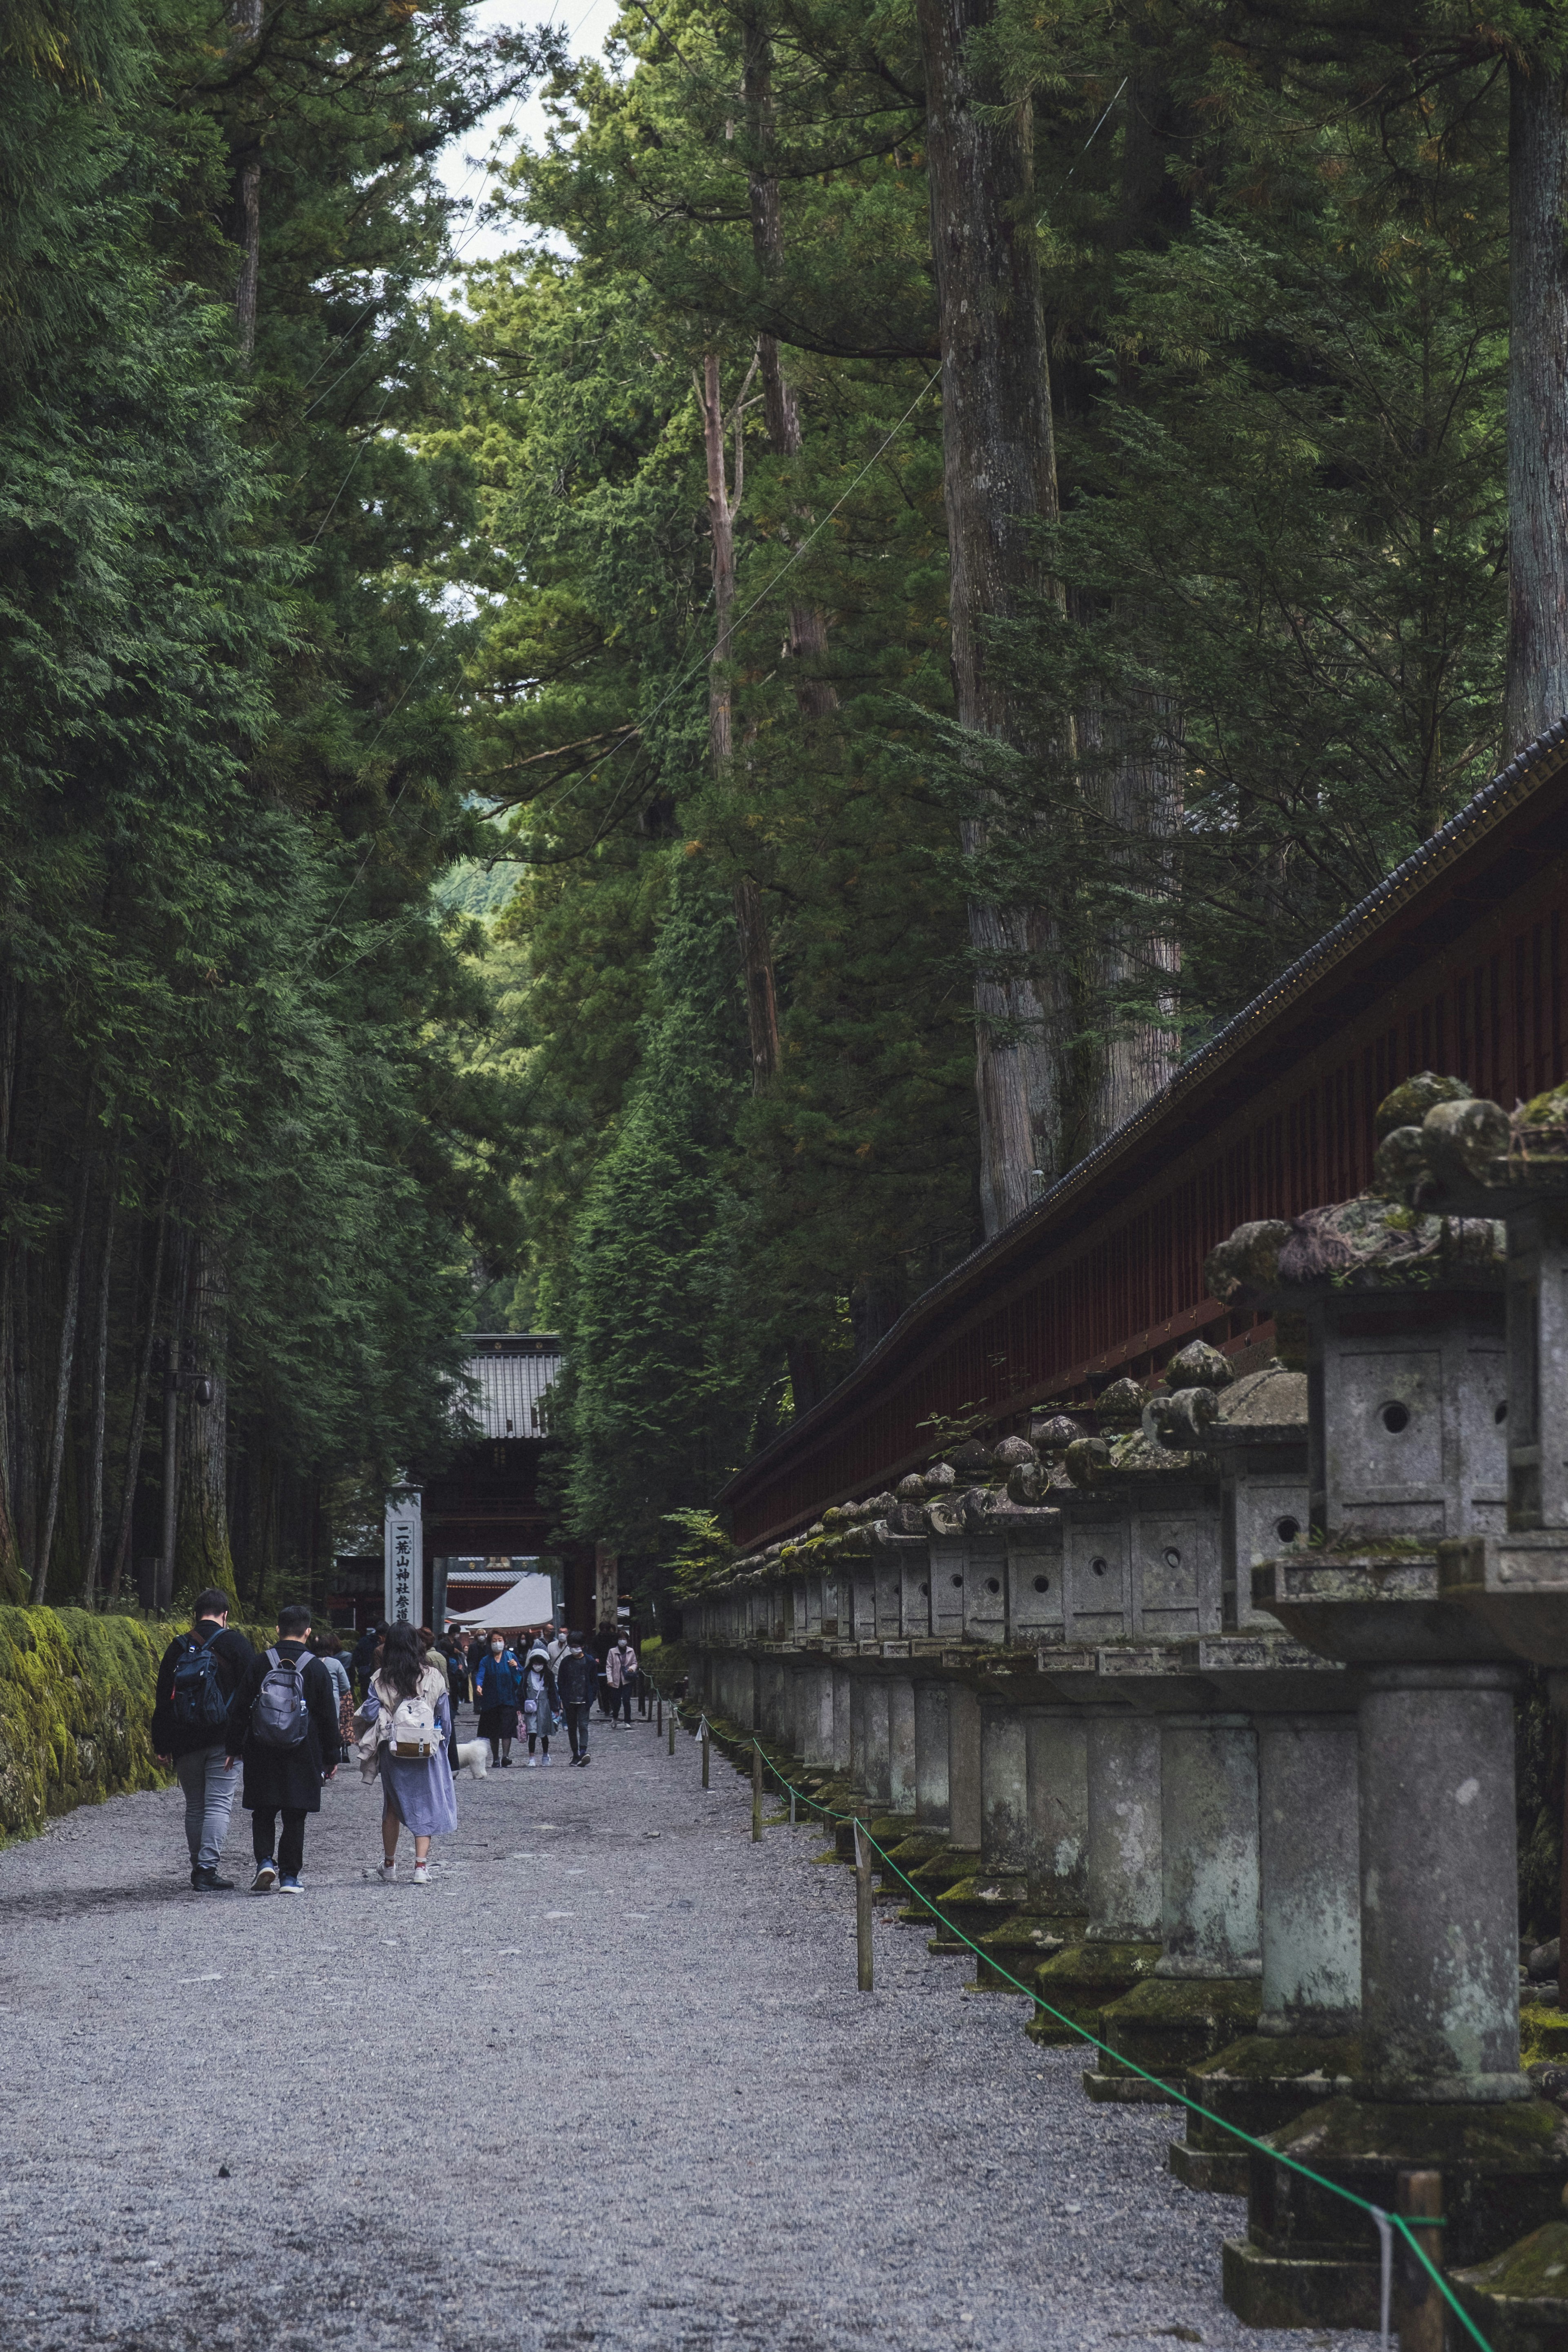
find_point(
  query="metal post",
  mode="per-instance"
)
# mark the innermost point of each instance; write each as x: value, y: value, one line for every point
x: 706, y: 1745
x: 756, y: 1794
x: 862, y: 1909
x: 1417, y: 2305
x: 792, y: 1809
x: 659, y: 1727
x: 671, y: 1728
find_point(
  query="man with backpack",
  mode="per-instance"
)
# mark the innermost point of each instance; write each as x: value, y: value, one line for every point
x: 197, y: 1679
x: 283, y: 1725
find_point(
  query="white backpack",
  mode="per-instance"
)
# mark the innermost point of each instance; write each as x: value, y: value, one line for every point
x: 414, y: 1735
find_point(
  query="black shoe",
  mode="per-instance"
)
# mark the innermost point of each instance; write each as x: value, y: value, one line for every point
x: 195, y: 1874
x: 207, y: 1882
x: 506, y: 1763
x: 584, y: 1760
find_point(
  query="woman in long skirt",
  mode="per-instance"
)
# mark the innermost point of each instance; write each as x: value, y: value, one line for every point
x: 417, y: 1791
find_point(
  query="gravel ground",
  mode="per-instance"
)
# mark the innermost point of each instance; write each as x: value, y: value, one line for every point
x: 606, y: 2081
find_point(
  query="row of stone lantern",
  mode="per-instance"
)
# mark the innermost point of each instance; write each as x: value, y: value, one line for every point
x: 1200, y: 1716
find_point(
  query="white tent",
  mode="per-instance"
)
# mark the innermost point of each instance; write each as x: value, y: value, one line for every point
x: 530, y: 1602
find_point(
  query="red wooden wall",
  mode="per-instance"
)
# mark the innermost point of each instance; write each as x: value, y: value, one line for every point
x: 1464, y: 973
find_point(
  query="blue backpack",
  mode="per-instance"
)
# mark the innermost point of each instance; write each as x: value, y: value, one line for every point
x: 199, y: 1702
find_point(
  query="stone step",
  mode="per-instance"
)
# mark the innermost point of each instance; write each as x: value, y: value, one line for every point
x: 1168, y: 2025
x: 1019, y: 1945
x: 1081, y: 1981
x: 1260, y: 2084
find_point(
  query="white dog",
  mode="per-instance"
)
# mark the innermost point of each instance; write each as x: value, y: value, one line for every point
x: 474, y: 1757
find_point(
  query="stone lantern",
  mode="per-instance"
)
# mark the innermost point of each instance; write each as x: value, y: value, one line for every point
x: 1406, y: 1452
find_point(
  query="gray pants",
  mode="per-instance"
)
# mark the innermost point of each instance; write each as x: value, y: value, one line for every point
x: 211, y: 1787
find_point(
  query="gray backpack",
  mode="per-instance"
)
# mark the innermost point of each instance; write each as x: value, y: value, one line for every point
x: 278, y: 1714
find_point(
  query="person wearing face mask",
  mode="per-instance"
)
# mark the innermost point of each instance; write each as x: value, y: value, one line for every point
x: 498, y: 1686
x: 541, y: 1703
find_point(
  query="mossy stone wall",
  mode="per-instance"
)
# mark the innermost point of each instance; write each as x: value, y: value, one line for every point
x: 76, y: 1708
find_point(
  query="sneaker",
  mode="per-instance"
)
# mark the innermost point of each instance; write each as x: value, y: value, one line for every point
x: 546, y: 1762
x: 207, y: 1882
x: 532, y: 1763
x: 584, y: 1760
x: 266, y: 1877
x: 385, y: 1871
x: 421, y: 1874
x: 289, y: 1886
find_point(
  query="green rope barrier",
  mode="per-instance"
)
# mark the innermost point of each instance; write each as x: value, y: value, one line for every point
x: 1380, y: 2220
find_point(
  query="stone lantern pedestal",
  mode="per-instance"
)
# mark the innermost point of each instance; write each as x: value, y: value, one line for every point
x: 1439, y: 2082
x: 1406, y: 1413
x: 1304, y: 2046
x: 1121, y: 1876
x: 1249, y: 1917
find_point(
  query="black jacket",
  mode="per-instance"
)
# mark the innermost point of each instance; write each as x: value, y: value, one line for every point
x: 276, y: 1777
x: 232, y: 1653
x: 576, y: 1678
x: 362, y: 1666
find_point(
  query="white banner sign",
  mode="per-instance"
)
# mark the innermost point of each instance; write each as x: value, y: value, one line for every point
x: 405, y: 1558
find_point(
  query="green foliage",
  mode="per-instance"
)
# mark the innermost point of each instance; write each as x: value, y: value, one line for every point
x: 703, y: 1555
x: 76, y: 1700
x: 232, y: 1011
x: 663, y: 1377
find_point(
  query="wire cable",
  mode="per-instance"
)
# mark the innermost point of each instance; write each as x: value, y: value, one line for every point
x: 1380, y: 2219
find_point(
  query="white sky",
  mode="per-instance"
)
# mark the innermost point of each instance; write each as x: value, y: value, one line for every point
x: 587, y: 23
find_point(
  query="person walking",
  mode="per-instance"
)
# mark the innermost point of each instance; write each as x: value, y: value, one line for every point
x: 197, y: 1678
x: 407, y: 1719
x: 329, y: 1649
x: 363, y: 1660
x: 576, y: 1680
x: 498, y: 1686
x: 621, y: 1666
x: 540, y: 1702
x: 283, y: 1727
x: 455, y: 1650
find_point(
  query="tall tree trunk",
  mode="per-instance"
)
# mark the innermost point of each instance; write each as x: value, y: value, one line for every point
x: 26, y: 1462
x: 205, y: 1557
x: 10, y: 1025
x: 815, y: 697
x: 65, y: 1361
x: 143, y: 1386
x: 1537, y: 690
x: 174, y: 1363
x: 93, y: 1546
x: 244, y: 25
x: 751, y: 924
x: 999, y: 478
x: 1139, y: 958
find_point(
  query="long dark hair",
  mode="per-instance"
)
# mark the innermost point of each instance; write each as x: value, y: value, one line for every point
x: 402, y: 1660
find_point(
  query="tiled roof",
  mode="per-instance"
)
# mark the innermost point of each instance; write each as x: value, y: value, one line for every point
x: 512, y: 1372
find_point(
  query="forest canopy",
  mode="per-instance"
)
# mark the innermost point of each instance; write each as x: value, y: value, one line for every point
x: 663, y: 794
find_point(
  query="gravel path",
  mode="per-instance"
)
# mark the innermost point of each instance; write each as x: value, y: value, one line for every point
x: 607, y: 2081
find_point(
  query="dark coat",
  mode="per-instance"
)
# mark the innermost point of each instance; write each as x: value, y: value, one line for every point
x: 277, y: 1777
x: 232, y: 1654
x: 576, y: 1678
x: 362, y: 1666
